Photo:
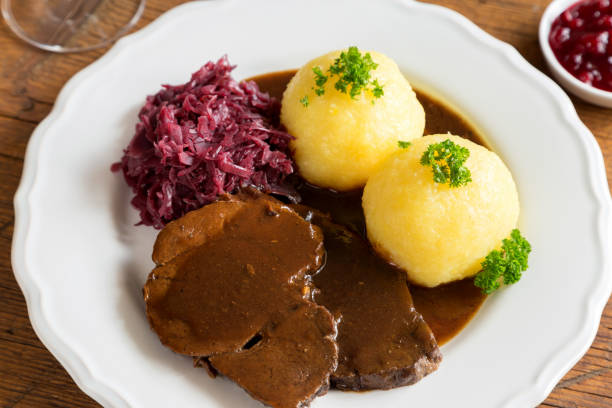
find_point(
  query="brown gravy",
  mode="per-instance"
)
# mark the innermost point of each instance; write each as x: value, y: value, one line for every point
x: 447, y: 308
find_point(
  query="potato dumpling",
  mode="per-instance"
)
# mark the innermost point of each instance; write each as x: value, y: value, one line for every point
x: 435, y: 232
x: 340, y: 141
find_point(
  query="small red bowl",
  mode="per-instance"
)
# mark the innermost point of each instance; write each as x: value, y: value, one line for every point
x: 565, y: 78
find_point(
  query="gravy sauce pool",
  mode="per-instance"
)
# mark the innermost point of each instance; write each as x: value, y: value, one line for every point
x: 446, y: 308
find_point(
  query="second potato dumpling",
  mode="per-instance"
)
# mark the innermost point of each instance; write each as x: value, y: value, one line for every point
x: 340, y: 140
x: 435, y: 232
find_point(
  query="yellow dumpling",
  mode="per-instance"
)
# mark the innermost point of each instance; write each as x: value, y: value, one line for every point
x: 436, y: 233
x: 340, y: 141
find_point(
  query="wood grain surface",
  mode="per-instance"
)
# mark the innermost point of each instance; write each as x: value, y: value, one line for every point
x: 29, y: 83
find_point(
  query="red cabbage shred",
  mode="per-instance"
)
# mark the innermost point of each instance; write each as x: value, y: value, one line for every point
x: 196, y: 141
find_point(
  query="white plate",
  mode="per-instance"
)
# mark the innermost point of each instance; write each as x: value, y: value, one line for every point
x: 81, y: 263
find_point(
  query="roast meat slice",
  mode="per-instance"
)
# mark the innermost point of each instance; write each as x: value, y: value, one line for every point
x: 232, y: 286
x: 285, y: 368
x: 383, y: 341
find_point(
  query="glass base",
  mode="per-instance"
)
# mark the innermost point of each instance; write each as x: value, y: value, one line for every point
x: 71, y: 25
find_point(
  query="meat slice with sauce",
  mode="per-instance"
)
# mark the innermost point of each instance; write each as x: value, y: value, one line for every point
x: 231, y: 286
x: 383, y: 341
x: 279, y: 369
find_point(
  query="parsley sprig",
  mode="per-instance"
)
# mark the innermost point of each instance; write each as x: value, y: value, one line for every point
x: 352, y: 69
x: 320, y: 80
x: 403, y: 144
x: 507, y: 263
x: 446, y: 160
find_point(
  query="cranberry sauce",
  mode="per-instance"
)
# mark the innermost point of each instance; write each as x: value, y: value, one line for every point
x: 581, y: 38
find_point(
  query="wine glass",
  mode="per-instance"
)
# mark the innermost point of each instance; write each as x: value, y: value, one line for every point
x: 71, y: 25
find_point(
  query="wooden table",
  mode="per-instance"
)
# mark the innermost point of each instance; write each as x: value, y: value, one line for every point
x: 29, y: 82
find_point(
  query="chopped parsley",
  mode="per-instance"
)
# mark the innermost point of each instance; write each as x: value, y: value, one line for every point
x: 377, y: 89
x: 320, y: 80
x: 403, y: 144
x: 352, y: 70
x: 446, y: 160
x: 304, y: 101
x: 507, y: 263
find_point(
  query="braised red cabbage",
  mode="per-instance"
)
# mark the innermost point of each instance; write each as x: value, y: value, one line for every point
x: 209, y: 136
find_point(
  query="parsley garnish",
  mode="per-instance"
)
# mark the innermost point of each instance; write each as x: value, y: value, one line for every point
x: 377, y: 91
x: 403, y: 144
x: 446, y: 160
x: 508, y: 263
x: 320, y: 80
x: 353, y: 72
x: 304, y: 101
